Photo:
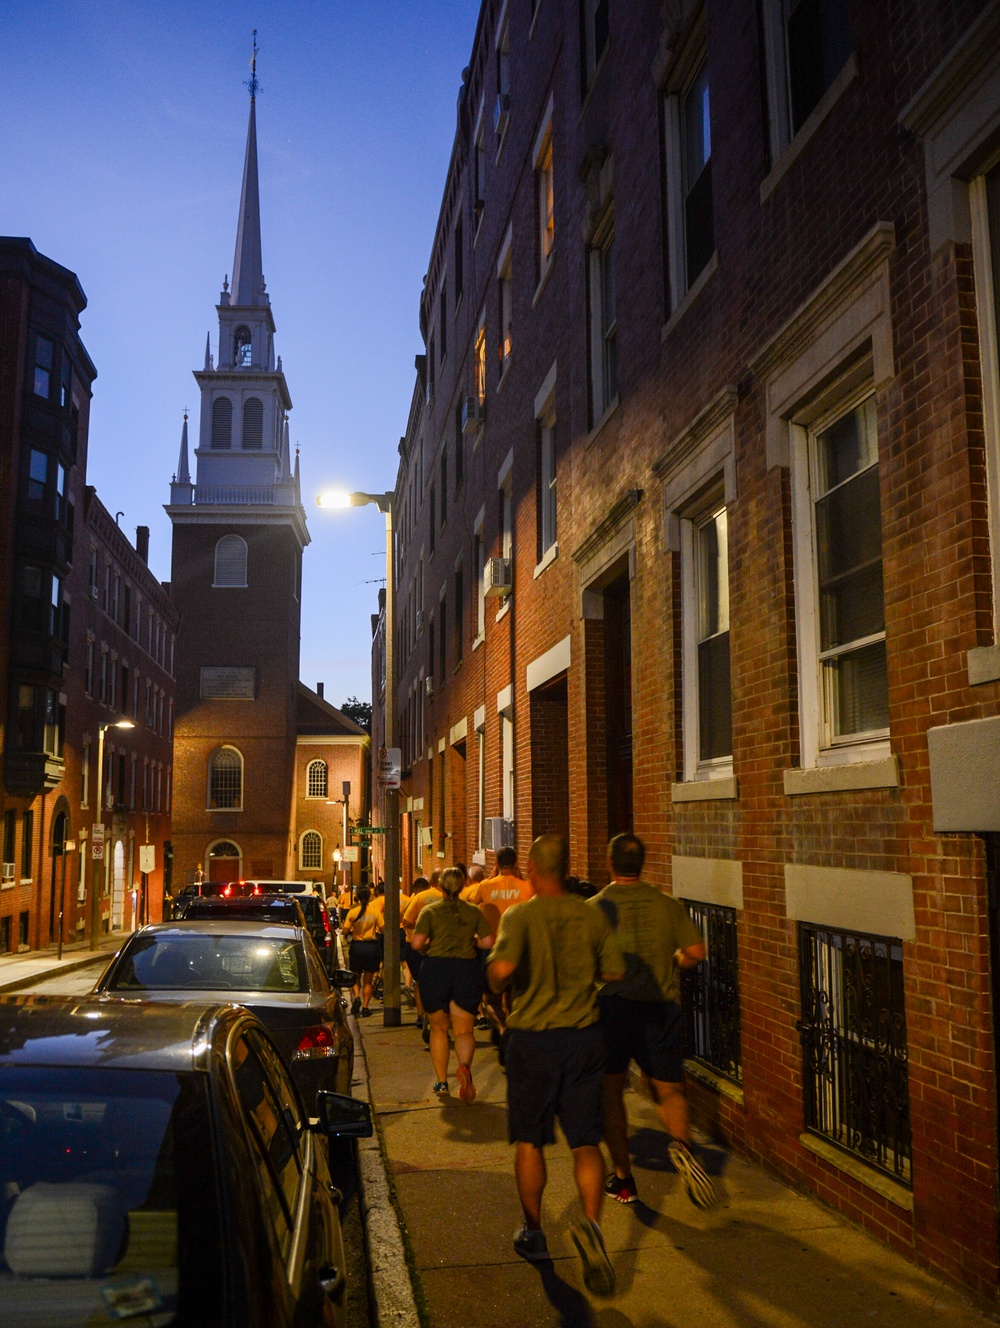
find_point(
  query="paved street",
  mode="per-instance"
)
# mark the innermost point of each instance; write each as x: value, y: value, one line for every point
x: 765, y: 1256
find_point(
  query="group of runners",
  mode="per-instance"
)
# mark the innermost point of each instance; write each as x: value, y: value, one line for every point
x: 584, y: 986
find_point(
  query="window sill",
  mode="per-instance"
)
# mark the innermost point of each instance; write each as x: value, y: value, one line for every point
x: 543, y: 279
x: 791, y: 153
x: 984, y: 665
x: 612, y: 407
x: 705, y: 790
x: 504, y: 371
x: 7, y: 885
x: 883, y: 773
x: 546, y: 560
x: 712, y: 1079
x: 691, y: 294
x: 502, y: 613
x: 883, y: 1185
x: 479, y: 640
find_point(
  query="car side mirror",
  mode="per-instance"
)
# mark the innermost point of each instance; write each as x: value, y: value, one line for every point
x: 344, y: 1117
x: 342, y: 977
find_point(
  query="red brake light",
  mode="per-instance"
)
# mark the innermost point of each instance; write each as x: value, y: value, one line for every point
x: 227, y: 891
x: 326, y: 920
x: 318, y: 1041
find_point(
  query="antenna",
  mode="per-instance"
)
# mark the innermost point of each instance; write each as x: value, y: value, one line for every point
x: 252, y: 82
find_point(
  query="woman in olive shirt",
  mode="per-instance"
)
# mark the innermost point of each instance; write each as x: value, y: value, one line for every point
x: 448, y: 933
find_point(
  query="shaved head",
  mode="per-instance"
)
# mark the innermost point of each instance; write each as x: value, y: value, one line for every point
x: 549, y: 855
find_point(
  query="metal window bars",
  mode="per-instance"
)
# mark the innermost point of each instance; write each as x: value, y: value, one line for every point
x: 711, y: 993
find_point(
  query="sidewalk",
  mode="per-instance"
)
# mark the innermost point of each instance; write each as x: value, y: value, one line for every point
x: 765, y: 1256
x: 34, y: 966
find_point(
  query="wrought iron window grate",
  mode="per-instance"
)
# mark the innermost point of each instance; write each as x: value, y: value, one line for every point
x: 853, y: 1033
x: 711, y: 993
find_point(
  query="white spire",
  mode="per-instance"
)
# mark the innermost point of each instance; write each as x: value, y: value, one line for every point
x: 248, y: 277
x: 208, y: 350
x: 183, y: 469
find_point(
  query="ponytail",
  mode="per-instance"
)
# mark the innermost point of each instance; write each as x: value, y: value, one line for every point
x: 364, y: 894
x: 452, y: 882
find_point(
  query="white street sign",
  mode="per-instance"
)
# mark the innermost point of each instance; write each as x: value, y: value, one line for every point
x: 390, y: 767
x: 349, y: 854
x: 147, y: 857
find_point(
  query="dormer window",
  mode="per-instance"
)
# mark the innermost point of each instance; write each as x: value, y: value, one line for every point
x: 242, y: 348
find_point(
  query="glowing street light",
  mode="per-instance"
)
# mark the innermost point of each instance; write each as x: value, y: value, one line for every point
x: 95, y: 897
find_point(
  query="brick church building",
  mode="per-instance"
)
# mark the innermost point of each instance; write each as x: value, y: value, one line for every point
x: 257, y: 755
x: 698, y: 533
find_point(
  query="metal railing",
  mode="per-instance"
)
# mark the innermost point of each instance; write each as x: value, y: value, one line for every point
x: 853, y: 1033
x: 241, y: 495
x: 711, y: 993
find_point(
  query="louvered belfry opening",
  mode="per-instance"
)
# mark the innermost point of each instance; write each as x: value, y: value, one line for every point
x: 231, y: 561
x: 253, y: 424
x: 222, y: 423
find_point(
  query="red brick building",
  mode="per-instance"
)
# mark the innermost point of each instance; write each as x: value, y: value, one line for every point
x: 697, y: 533
x: 86, y: 632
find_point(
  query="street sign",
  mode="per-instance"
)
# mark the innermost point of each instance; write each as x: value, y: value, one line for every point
x: 97, y: 841
x: 390, y: 767
x: 147, y: 857
x: 349, y: 854
x: 365, y: 830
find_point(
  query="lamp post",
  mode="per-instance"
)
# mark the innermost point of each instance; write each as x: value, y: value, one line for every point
x: 391, y: 1013
x: 95, y: 894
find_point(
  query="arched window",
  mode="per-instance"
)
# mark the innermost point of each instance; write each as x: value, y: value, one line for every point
x: 242, y: 348
x: 253, y: 424
x: 231, y: 561
x: 311, y: 851
x: 222, y: 422
x: 316, y: 779
x: 225, y: 779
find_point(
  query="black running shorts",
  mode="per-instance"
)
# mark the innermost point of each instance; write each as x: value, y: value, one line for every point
x: 445, y: 980
x: 647, y: 1032
x: 558, y: 1072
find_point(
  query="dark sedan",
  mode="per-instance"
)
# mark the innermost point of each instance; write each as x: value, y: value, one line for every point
x: 156, y: 1164
x: 275, y: 971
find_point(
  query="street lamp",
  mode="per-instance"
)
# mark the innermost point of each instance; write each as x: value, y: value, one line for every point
x: 332, y: 498
x: 95, y: 896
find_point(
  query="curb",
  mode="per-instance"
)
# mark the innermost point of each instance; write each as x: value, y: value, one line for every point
x: 66, y: 966
x: 392, y: 1299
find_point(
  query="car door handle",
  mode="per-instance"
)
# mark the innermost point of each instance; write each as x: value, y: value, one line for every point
x: 336, y: 1195
x: 331, y: 1279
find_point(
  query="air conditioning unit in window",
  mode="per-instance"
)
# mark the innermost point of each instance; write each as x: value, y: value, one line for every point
x: 429, y: 684
x: 420, y: 621
x: 498, y: 833
x: 501, y: 113
x: 8, y: 871
x: 472, y: 414
x: 496, y: 578
x: 427, y: 837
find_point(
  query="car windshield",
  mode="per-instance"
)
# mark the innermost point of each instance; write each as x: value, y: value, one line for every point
x: 108, y: 1207
x: 199, y: 961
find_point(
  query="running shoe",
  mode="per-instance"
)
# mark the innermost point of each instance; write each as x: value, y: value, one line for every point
x: 441, y: 1088
x: 531, y: 1245
x: 598, y: 1275
x: 699, y: 1188
x: 419, y: 1022
x: 622, y: 1189
x: 466, y: 1088
x: 366, y: 1013
x: 356, y: 1006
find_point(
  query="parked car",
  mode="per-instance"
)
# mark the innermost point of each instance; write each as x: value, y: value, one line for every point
x: 317, y: 916
x: 156, y: 1164
x: 255, y: 908
x: 275, y: 971
x: 207, y: 890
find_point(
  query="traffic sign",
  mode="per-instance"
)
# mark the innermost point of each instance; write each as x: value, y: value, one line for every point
x: 147, y: 857
x: 350, y: 854
x: 365, y: 830
x: 390, y: 767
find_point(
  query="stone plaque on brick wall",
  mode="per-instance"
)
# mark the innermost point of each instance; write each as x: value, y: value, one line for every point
x: 221, y: 683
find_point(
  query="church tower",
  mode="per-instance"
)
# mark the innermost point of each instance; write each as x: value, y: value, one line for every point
x: 238, y: 534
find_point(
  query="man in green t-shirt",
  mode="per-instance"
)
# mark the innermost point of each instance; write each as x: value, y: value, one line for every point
x: 554, y: 949
x: 641, y: 1016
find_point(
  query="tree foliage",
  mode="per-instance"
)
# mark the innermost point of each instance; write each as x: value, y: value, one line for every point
x: 359, y: 711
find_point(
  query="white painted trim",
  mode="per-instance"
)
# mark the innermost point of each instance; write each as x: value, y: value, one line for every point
x: 548, y: 557
x: 505, y: 700
x: 726, y: 788
x: 506, y: 466
x: 880, y: 903
x: 545, y: 133
x: 554, y: 661
x: 505, y: 247
x: 544, y: 395
x: 442, y: 743
x: 458, y: 732
x: 479, y: 718
x: 708, y: 880
x: 333, y: 740
x: 883, y: 773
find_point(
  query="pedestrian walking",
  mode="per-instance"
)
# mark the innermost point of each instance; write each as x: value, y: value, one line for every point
x: 553, y: 949
x: 641, y: 1016
x: 507, y: 887
x: 362, y: 926
x: 418, y: 900
x: 448, y: 933
x: 344, y: 902
x: 474, y: 879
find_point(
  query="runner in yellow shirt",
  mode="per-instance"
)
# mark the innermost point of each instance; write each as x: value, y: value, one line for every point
x: 363, y: 927
x: 418, y: 900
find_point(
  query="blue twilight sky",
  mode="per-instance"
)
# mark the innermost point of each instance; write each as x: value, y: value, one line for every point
x: 122, y: 132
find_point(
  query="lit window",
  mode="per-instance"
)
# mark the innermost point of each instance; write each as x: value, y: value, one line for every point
x: 316, y: 779
x: 479, y: 362
x: 545, y: 207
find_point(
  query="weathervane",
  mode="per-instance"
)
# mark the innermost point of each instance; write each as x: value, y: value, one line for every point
x: 252, y: 82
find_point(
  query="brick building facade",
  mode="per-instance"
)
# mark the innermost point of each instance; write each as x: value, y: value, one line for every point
x: 697, y: 533
x: 86, y: 632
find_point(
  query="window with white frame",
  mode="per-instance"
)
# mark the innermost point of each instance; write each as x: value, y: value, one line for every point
x: 479, y: 360
x: 316, y: 779
x: 225, y: 779
x: 546, y: 483
x: 507, y: 764
x: 230, y: 565
x: 501, y: 111
x: 479, y: 563
x: 479, y: 175
x: 984, y: 197
x: 481, y: 789
x: 506, y: 520
x: 842, y: 627
x: 595, y: 37
x: 505, y: 304
x: 603, y: 322
x: 544, y: 202
x: 311, y: 851
x: 807, y: 43
x: 707, y: 714
x: 690, y: 211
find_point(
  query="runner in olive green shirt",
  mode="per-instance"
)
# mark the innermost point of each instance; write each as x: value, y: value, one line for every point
x: 641, y: 1015
x: 554, y: 950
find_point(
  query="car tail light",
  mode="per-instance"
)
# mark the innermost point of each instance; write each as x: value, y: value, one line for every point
x: 326, y: 920
x: 316, y: 1043
x: 227, y: 890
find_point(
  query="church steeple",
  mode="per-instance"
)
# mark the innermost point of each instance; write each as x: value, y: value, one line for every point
x: 248, y: 277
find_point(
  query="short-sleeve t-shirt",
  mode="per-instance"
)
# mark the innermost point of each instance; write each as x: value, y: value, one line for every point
x: 418, y: 901
x: 363, y: 926
x: 451, y: 931
x: 470, y: 893
x: 560, y: 947
x: 344, y: 899
x: 499, y: 893
x: 650, y: 926
x: 377, y: 904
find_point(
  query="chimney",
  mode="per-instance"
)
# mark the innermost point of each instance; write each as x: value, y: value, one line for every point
x: 142, y: 542
x: 319, y: 690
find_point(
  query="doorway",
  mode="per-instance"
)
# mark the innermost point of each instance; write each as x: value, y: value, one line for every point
x: 549, y: 715
x: 618, y: 703
x: 57, y: 873
x: 225, y: 861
